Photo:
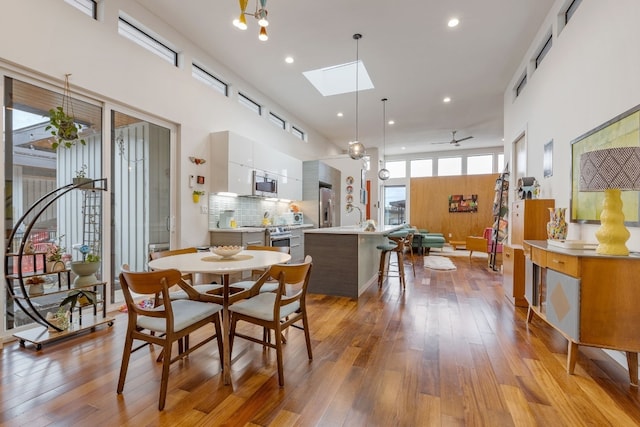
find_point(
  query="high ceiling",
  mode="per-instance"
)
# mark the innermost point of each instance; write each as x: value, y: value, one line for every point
x: 413, y: 58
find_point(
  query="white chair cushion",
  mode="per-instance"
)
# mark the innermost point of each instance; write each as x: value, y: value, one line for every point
x: 247, y: 284
x: 261, y: 307
x: 185, y: 313
x: 203, y: 289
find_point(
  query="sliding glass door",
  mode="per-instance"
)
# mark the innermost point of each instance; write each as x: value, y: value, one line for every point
x: 140, y: 196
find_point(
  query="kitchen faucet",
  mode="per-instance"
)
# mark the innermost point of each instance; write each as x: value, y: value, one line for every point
x: 350, y: 209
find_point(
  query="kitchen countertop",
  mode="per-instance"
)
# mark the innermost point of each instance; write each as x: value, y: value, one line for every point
x: 259, y: 229
x: 354, y: 229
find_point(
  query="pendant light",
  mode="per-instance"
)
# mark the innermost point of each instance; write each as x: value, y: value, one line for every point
x: 384, y: 173
x: 356, y: 148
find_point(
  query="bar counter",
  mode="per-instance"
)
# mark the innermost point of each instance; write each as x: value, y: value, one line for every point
x: 345, y: 259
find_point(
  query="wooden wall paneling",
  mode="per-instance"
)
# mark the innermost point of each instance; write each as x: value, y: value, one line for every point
x: 430, y: 209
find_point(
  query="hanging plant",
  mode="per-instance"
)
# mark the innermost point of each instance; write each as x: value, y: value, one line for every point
x: 62, y: 122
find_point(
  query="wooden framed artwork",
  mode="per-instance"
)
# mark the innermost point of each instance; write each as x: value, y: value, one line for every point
x: 463, y: 203
x: 621, y: 131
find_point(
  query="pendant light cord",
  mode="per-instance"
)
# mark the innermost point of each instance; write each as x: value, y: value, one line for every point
x: 357, y: 37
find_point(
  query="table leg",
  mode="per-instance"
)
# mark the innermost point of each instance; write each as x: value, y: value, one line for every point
x: 632, y: 362
x: 572, y: 356
x: 226, y: 362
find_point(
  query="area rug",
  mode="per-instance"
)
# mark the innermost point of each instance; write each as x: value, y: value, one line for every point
x: 438, y: 263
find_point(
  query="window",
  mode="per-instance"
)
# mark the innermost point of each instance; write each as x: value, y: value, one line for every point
x: 500, y: 162
x: 521, y: 84
x: 143, y: 38
x: 449, y: 166
x: 249, y: 103
x: 88, y: 7
x: 298, y: 132
x: 277, y: 120
x: 571, y: 10
x: 479, y: 164
x: 206, y: 77
x: 395, y: 200
x: 397, y: 168
x: 421, y: 167
x: 544, y: 50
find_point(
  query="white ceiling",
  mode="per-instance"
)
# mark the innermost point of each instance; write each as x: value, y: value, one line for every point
x: 413, y: 59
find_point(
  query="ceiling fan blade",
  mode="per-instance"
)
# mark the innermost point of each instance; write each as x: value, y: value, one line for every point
x: 443, y: 142
x: 464, y: 139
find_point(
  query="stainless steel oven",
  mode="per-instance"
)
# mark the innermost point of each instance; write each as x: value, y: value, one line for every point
x: 279, y: 236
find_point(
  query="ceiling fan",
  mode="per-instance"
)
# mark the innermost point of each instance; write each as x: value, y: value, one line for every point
x: 455, y: 142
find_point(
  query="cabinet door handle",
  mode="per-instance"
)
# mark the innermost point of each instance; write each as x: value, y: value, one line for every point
x: 257, y: 242
x: 557, y: 261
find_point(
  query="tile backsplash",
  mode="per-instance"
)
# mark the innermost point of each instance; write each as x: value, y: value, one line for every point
x: 249, y: 211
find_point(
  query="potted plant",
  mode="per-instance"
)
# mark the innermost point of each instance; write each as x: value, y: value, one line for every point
x: 85, y: 269
x: 79, y: 296
x: 59, y: 320
x: 54, y: 256
x: 62, y: 124
x: 81, y: 179
x: 64, y: 129
x: 196, y: 195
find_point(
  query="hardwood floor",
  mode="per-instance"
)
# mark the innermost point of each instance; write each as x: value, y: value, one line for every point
x: 450, y: 351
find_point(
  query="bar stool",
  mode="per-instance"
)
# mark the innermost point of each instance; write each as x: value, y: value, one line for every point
x: 398, y: 241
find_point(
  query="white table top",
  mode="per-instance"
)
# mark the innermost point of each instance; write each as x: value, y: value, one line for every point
x: 207, y: 262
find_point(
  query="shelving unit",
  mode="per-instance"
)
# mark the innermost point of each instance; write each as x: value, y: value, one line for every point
x: 500, y: 211
x: 23, y: 266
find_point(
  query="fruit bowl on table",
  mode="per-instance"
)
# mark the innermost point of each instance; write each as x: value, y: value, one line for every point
x: 226, y: 251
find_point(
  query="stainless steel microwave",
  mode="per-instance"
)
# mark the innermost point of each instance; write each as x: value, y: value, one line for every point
x: 263, y: 185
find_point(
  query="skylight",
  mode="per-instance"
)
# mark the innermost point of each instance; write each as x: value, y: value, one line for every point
x: 339, y: 79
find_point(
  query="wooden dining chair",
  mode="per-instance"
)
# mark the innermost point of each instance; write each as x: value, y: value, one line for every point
x: 275, y: 310
x: 269, y: 286
x: 180, y: 294
x: 165, y: 324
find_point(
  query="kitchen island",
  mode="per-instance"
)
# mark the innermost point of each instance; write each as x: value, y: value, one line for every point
x: 345, y: 259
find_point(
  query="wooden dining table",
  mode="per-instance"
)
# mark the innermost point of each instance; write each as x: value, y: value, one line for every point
x: 206, y: 262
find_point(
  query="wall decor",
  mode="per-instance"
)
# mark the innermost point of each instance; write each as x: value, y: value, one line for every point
x: 547, y: 159
x: 621, y: 131
x: 463, y: 203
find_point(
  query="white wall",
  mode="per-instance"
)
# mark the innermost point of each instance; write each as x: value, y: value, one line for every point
x: 590, y: 75
x: 47, y: 39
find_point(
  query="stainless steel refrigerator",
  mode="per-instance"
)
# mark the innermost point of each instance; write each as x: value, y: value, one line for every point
x: 327, y: 207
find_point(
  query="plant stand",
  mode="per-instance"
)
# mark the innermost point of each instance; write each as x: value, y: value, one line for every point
x: 22, y: 265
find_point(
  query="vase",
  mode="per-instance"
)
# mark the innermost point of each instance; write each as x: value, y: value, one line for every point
x: 85, y: 273
x: 557, y: 225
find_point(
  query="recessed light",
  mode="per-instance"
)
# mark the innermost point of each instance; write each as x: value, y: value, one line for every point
x: 392, y: 122
x: 446, y: 99
x: 453, y: 22
x: 340, y: 114
x: 403, y: 148
x: 289, y: 59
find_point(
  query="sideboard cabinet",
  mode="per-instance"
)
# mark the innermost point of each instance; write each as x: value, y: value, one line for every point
x: 589, y: 298
x: 528, y: 221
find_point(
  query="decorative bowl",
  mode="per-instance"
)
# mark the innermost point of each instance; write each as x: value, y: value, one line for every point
x: 226, y: 251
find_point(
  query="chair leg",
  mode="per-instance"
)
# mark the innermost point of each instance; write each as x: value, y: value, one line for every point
x: 383, y: 256
x: 216, y: 324
x: 413, y: 262
x: 232, y: 332
x: 278, y: 336
x: 166, y: 362
x: 401, y: 267
x: 126, y: 355
x: 307, y: 337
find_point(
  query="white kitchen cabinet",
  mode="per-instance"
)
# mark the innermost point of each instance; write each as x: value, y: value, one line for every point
x: 234, y: 157
x: 289, y: 188
x: 266, y: 159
